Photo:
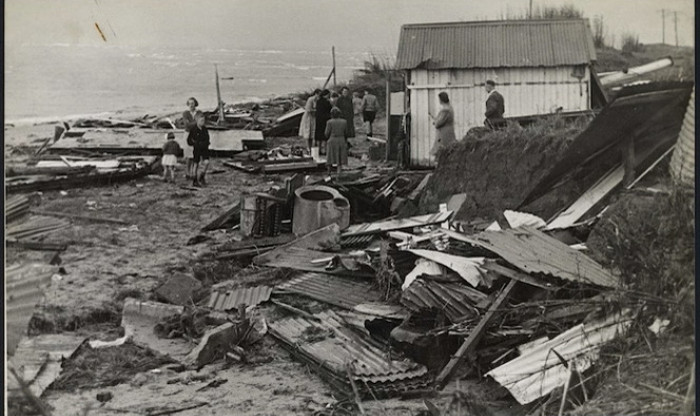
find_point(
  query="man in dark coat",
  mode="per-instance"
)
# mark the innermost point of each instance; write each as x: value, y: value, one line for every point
x: 348, y: 113
x: 495, y: 107
x: 323, y: 114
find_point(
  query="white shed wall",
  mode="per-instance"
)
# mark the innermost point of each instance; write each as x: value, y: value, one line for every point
x: 526, y: 91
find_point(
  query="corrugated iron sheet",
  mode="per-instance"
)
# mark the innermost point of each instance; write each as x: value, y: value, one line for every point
x: 231, y: 299
x: 533, y: 251
x: 397, y: 224
x: 331, y: 345
x: 495, y: 44
x: 357, y: 241
x: 683, y: 160
x: 35, y: 227
x: 38, y: 361
x: 335, y: 290
x: 457, y: 300
x: 24, y: 288
x: 540, y: 371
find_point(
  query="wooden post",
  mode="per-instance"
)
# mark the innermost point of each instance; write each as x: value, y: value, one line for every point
x: 333, y: 52
x: 387, y: 146
x: 218, y: 97
x: 628, y: 160
x: 474, y: 336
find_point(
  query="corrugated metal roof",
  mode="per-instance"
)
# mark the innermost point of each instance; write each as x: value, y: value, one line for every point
x: 333, y: 345
x: 38, y: 361
x: 357, y: 241
x: 231, y: 299
x: 683, y: 160
x: 335, y: 290
x: 23, y: 290
x: 533, y: 251
x: 540, y: 370
x: 457, y: 300
x: 494, y: 44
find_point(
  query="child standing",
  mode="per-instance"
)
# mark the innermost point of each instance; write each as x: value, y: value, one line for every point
x: 171, y: 150
x: 199, y: 140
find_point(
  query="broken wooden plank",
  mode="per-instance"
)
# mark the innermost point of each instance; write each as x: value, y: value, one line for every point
x: 475, y: 335
x: 231, y: 217
x: 36, y: 245
x: 419, y: 189
x: 79, y: 217
x: 392, y: 225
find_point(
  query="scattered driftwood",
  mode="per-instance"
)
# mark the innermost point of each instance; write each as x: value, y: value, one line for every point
x: 79, y: 217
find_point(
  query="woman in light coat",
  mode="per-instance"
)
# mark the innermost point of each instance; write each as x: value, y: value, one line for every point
x: 445, y: 125
x: 308, y: 120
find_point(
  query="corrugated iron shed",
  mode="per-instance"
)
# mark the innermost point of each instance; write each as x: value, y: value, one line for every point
x: 335, y: 290
x: 540, y: 370
x: 231, y: 299
x: 496, y: 44
x: 457, y: 300
x: 23, y: 290
x: 683, y: 160
x: 331, y: 345
x: 533, y: 251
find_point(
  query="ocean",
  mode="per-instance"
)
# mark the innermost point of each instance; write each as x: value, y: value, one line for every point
x: 61, y: 81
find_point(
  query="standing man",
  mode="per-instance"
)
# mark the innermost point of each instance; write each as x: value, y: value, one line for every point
x: 370, y: 106
x: 495, y: 107
x: 346, y: 107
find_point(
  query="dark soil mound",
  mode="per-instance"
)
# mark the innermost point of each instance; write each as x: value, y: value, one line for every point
x: 497, y: 170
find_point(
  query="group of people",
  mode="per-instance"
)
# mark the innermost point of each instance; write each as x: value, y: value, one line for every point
x: 196, y: 153
x: 444, y: 121
x: 329, y: 121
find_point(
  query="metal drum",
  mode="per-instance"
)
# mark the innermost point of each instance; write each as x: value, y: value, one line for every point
x: 318, y: 206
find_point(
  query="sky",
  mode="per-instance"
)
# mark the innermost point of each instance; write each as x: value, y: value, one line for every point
x: 350, y: 25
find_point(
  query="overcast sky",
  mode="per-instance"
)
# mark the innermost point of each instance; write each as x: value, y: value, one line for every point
x: 357, y: 25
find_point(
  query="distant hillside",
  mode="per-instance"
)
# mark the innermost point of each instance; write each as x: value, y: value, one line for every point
x: 610, y: 59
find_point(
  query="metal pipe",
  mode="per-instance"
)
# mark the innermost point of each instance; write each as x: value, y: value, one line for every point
x: 632, y: 73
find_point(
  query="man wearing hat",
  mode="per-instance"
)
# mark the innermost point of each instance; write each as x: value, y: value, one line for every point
x: 495, y: 107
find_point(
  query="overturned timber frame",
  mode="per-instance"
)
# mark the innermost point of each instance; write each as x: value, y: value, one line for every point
x: 471, y: 342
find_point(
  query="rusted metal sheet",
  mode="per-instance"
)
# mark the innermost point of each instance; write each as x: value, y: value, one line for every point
x: 533, y: 251
x: 683, y: 160
x: 330, y: 346
x: 540, y: 370
x: 38, y: 361
x: 334, y: 290
x: 232, y: 299
x: 494, y: 44
x: 458, y: 301
x: 24, y: 288
x: 390, y: 225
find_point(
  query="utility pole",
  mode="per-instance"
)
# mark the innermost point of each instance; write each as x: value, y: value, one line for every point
x: 663, y: 26
x: 675, y: 25
x: 530, y: 13
x: 333, y: 52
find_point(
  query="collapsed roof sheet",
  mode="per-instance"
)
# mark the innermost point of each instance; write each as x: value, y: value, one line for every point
x: 332, y: 346
x: 224, y: 300
x: 635, y: 112
x: 24, y: 288
x: 539, y: 371
x: 533, y: 251
x: 457, y: 300
x: 339, y: 291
